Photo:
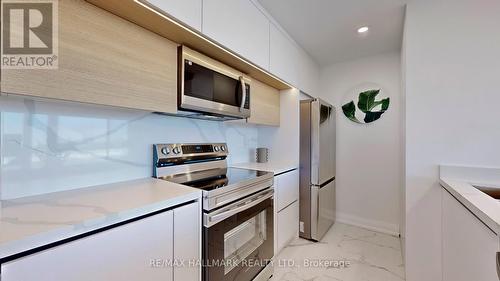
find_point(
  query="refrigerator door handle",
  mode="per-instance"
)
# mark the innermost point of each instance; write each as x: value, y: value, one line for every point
x: 315, y: 156
x: 314, y: 211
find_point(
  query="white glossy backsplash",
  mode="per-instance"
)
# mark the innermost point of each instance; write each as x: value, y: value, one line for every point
x: 48, y: 146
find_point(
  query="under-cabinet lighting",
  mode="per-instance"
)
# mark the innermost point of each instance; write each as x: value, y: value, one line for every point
x: 206, y: 40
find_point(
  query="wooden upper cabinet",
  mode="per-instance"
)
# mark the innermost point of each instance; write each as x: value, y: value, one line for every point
x: 103, y: 59
x: 264, y: 104
x: 187, y: 11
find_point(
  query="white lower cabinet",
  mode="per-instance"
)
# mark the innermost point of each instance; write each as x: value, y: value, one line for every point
x: 187, y: 242
x: 287, y: 188
x: 469, y: 246
x: 140, y: 250
x: 286, y: 223
x: 287, y: 226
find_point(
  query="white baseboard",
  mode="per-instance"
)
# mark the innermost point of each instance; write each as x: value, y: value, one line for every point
x: 374, y: 225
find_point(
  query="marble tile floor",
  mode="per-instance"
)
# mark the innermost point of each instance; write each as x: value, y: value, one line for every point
x: 346, y: 253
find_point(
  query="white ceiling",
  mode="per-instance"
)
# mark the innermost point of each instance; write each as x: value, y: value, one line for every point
x: 327, y: 29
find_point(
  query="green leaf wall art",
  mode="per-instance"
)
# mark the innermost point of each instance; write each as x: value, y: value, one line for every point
x: 368, y: 105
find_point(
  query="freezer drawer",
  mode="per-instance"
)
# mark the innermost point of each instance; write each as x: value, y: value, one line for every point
x: 322, y: 209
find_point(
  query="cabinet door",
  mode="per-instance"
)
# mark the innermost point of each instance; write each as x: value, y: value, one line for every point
x: 469, y: 247
x: 240, y: 26
x: 187, y: 242
x: 287, y: 189
x: 187, y: 11
x: 284, y: 57
x: 287, y: 226
x: 127, y: 252
x: 264, y: 104
x: 103, y: 59
x: 308, y: 75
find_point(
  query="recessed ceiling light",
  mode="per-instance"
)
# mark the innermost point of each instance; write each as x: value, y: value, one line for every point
x: 363, y: 29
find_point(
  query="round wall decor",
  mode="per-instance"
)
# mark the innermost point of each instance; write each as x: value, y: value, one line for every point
x: 365, y: 104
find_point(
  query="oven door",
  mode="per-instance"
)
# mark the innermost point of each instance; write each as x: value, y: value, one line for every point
x: 238, y: 239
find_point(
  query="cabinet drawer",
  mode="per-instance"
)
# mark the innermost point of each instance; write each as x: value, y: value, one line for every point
x: 287, y: 188
x: 122, y: 253
x: 287, y: 226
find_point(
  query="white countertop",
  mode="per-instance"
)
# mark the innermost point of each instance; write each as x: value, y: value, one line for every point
x: 31, y: 222
x: 459, y: 182
x: 276, y: 168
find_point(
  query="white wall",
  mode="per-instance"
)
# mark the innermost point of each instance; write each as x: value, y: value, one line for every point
x: 47, y: 145
x: 368, y: 156
x: 452, y: 116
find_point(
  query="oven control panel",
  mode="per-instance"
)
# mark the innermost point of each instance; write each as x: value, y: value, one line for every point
x: 173, y: 152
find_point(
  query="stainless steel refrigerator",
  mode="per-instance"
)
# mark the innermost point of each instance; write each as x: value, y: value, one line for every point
x: 317, y: 168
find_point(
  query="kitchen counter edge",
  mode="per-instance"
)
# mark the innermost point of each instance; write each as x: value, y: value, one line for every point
x: 276, y: 168
x: 153, y: 195
x: 486, y: 209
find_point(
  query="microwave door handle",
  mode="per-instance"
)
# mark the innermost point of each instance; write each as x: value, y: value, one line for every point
x: 243, y: 93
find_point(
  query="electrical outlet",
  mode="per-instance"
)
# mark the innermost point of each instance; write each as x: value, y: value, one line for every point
x: 301, y: 226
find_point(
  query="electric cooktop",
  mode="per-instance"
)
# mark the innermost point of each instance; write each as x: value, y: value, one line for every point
x: 216, y: 178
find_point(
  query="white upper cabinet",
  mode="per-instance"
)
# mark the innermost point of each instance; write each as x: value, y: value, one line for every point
x: 186, y: 11
x: 308, y: 75
x: 239, y: 26
x: 284, y: 57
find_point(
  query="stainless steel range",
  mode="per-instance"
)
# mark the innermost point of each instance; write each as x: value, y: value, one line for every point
x: 237, y: 209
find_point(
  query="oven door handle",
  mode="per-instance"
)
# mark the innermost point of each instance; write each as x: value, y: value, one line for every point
x: 211, y: 219
x: 243, y: 93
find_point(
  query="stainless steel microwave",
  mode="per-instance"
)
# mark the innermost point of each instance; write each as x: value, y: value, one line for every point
x: 210, y: 87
